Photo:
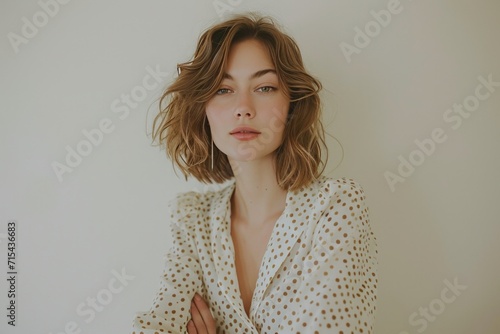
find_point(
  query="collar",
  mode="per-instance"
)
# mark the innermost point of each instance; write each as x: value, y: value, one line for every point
x: 287, y: 228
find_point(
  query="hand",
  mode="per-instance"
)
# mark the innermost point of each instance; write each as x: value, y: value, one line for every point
x: 201, y: 321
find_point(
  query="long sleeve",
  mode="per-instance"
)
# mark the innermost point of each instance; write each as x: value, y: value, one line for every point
x: 182, y: 276
x: 318, y: 274
x: 337, y: 289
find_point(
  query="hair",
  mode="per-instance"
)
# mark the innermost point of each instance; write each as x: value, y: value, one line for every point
x: 182, y: 126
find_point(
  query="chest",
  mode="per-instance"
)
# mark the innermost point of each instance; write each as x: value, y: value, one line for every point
x: 250, y: 245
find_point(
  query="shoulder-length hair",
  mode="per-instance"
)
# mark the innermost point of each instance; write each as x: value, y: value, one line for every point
x: 182, y: 126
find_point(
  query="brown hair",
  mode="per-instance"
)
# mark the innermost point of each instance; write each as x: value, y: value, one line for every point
x: 182, y: 125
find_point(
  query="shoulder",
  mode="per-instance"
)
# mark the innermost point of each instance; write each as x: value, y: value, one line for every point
x: 342, y: 207
x: 193, y: 206
x: 328, y: 199
x: 328, y: 188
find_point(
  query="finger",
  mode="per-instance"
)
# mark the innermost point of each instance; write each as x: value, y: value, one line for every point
x: 191, y: 328
x: 205, y: 313
x: 197, y: 320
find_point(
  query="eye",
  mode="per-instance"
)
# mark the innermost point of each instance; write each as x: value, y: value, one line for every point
x: 266, y: 89
x: 223, y: 91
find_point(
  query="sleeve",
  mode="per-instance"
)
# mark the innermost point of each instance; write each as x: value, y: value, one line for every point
x: 337, y: 292
x: 181, y: 279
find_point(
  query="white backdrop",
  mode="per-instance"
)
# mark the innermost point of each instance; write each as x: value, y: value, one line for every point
x: 412, y: 93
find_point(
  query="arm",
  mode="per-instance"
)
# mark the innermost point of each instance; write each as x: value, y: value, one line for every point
x: 337, y: 292
x: 182, y: 276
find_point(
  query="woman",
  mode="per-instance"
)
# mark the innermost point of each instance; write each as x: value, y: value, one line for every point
x: 280, y: 248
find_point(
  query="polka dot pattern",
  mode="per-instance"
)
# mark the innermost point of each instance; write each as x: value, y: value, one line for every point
x: 318, y: 273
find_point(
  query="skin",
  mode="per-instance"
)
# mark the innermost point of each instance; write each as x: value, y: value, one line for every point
x: 201, y: 321
x: 249, y: 96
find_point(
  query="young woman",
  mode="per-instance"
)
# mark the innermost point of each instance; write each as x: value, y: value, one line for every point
x: 279, y: 248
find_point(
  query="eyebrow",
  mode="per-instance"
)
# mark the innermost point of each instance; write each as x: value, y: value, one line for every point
x: 257, y: 74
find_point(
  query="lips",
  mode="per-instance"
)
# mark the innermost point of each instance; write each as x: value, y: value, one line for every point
x: 244, y: 133
x: 244, y: 130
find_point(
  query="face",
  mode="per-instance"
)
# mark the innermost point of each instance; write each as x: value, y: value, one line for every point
x: 247, y: 115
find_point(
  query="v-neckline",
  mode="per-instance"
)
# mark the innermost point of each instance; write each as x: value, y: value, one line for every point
x: 264, y: 257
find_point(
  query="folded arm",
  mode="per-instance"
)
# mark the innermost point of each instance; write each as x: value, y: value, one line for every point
x: 181, y: 279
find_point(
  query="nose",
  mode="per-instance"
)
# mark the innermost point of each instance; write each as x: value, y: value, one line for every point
x: 244, y: 107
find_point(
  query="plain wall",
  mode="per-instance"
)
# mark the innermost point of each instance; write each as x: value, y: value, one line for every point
x: 437, y: 226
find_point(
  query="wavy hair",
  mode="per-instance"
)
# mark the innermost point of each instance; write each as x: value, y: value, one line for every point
x: 182, y: 127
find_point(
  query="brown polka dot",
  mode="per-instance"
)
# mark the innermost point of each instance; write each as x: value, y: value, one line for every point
x: 318, y: 273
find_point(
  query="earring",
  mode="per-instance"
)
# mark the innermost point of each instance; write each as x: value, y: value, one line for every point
x: 212, y: 155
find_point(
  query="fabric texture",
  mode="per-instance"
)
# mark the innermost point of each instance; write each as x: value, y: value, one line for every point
x: 318, y: 273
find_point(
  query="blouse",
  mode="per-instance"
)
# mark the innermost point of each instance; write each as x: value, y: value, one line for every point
x: 318, y: 273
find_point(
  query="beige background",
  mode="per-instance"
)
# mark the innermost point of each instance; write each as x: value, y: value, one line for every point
x: 437, y: 227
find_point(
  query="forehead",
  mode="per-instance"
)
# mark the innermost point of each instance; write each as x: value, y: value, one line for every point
x: 247, y: 57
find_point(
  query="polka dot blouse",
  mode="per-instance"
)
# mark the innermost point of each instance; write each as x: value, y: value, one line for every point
x: 318, y: 273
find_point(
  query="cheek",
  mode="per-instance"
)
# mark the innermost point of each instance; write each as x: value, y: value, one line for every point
x: 281, y: 108
x: 209, y: 108
x: 215, y: 120
x: 278, y: 117
x: 216, y: 107
x: 217, y: 104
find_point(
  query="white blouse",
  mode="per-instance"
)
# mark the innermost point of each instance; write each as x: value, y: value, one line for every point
x: 318, y: 273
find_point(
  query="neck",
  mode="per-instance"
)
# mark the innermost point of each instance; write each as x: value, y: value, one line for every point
x: 257, y: 196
